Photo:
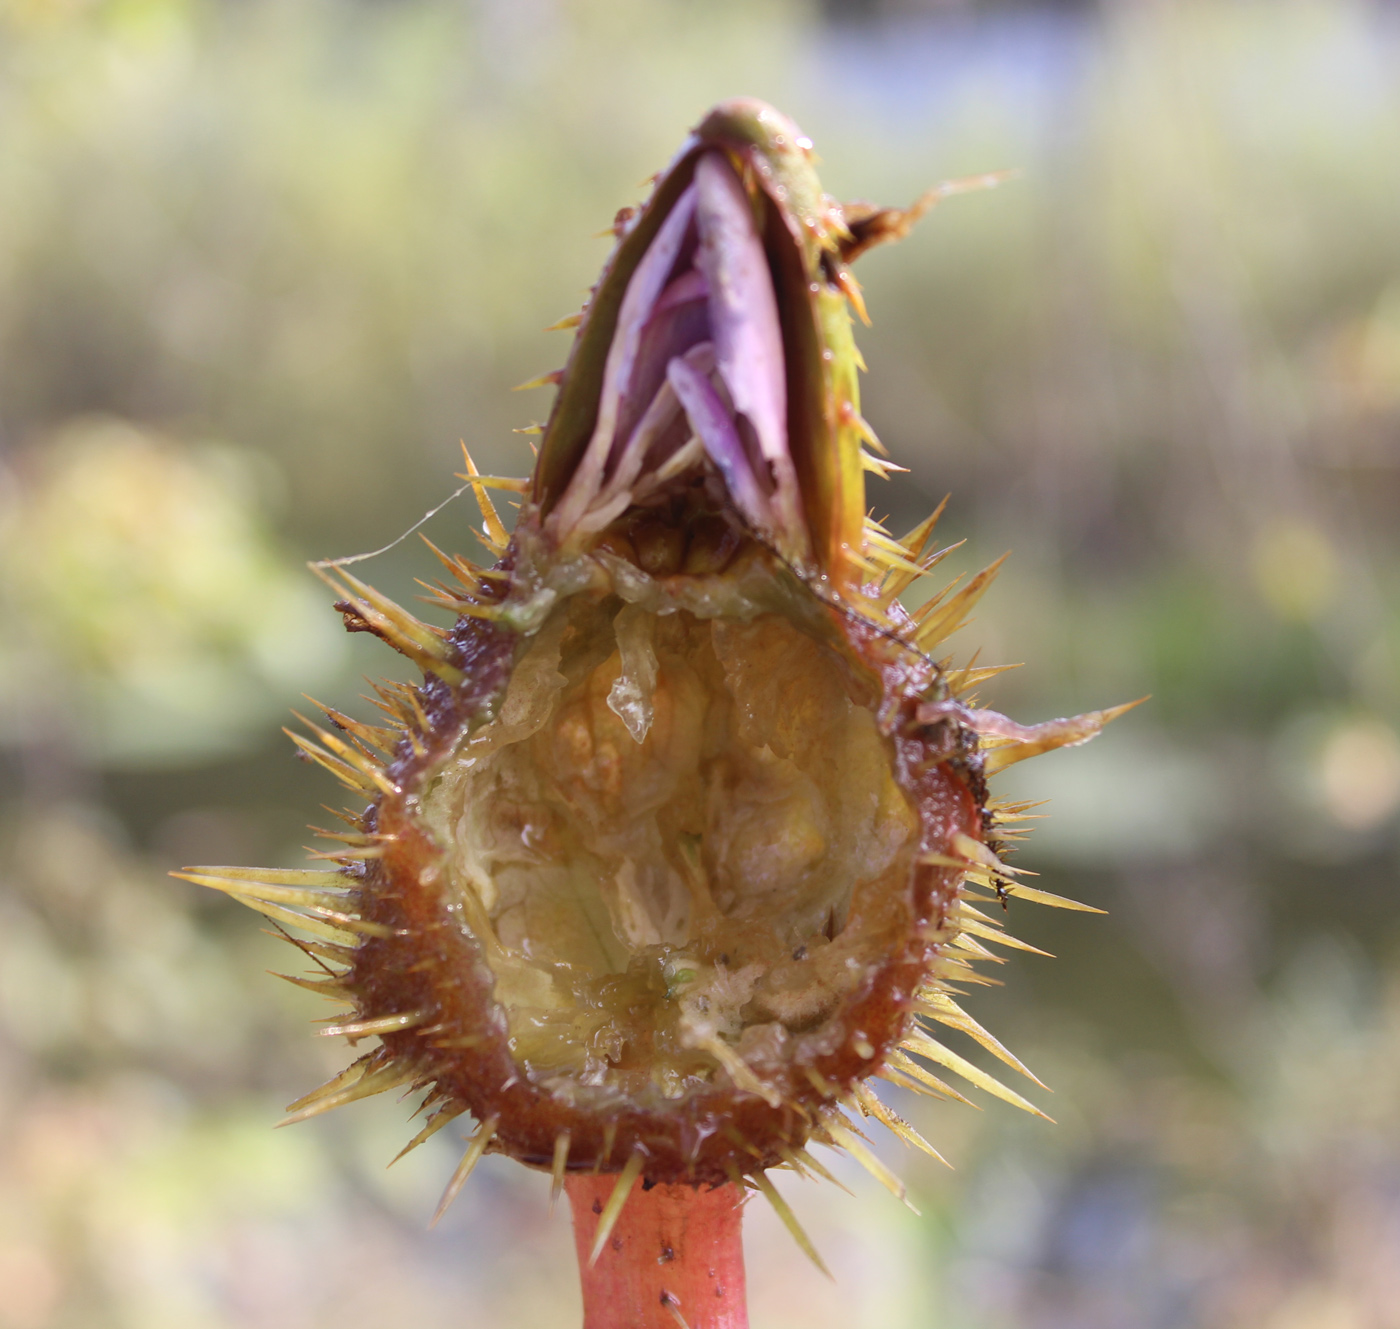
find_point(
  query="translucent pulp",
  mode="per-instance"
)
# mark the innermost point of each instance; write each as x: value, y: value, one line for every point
x: 680, y: 845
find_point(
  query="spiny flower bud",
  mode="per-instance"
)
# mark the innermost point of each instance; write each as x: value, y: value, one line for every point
x: 685, y: 835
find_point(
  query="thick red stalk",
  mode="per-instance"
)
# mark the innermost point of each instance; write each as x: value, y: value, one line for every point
x: 675, y: 1256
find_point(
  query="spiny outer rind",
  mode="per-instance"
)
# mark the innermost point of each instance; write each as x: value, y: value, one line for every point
x: 389, y: 974
x: 417, y: 962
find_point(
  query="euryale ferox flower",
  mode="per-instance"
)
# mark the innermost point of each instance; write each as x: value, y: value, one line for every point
x: 685, y: 835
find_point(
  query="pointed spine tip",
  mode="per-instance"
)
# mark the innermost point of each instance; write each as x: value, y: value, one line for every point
x: 780, y: 1206
x: 559, y: 1166
x: 476, y: 1147
x: 607, y: 1220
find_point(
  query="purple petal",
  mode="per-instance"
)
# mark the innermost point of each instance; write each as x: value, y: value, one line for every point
x: 710, y: 419
x: 678, y: 321
x: 662, y: 431
x: 645, y: 285
x: 744, y: 322
x: 690, y: 285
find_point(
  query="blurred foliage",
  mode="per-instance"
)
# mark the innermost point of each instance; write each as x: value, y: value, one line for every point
x: 157, y: 620
x: 262, y: 266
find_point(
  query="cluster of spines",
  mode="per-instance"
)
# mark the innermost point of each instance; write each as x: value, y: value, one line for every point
x: 894, y: 566
x: 473, y: 592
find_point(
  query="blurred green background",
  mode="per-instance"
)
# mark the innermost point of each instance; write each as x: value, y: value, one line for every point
x: 263, y: 264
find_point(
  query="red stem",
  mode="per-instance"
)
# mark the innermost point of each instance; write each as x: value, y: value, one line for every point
x: 674, y: 1257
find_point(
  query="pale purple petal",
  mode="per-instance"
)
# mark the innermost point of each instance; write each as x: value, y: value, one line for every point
x: 646, y: 284
x: 660, y: 433
x: 690, y: 285
x: 678, y: 321
x: 710, y: 419
x: 744, y: 323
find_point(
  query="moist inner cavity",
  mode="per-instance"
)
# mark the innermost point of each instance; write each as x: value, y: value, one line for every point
x: 680, y: 844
